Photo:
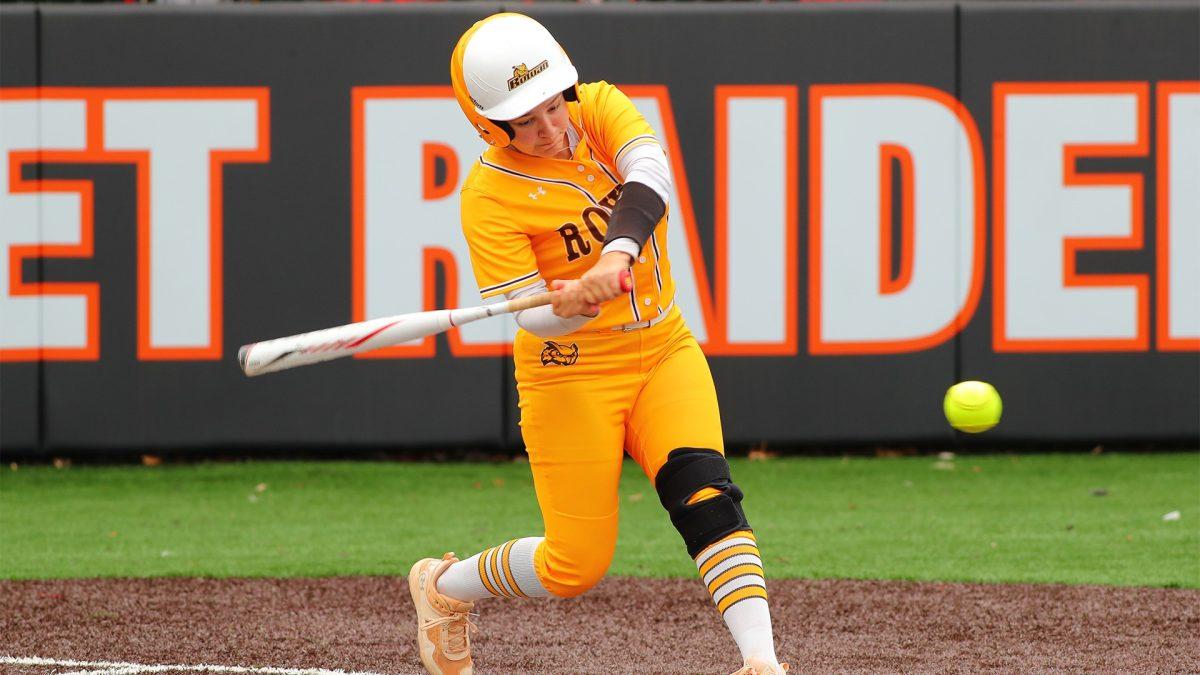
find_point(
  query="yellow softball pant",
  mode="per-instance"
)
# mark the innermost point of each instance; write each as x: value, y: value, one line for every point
x: 588, y: 398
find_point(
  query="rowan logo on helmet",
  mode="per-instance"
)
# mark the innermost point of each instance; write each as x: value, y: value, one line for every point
x: 559, y: 354
x: 521, y: 74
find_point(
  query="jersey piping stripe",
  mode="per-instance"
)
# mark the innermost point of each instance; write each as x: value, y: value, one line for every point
x: 510, y: 282
x: 530, y: 177
x: 603, y: 168
x: 657, y: 271
x: 634, y: 141
x: 637, y: 316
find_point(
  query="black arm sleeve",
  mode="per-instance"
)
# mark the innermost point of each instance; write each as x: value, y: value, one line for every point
x: 638, y: 210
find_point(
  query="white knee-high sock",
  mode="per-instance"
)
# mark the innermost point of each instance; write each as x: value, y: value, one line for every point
x: 732, y: 570
x: 500, y: 571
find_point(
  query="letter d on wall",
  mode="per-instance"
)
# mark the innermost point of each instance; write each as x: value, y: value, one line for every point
x: 855, y: 307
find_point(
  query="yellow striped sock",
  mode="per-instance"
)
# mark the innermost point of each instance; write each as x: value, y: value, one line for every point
x: 732, y: 570
x: 504, y: 571
x: 495, y: 571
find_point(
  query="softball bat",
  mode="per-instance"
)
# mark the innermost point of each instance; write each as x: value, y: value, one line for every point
x: 305, y: 349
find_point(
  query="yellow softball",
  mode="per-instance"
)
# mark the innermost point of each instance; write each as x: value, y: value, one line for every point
x: 972, y: 406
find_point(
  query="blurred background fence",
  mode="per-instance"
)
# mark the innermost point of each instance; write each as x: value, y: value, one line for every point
x: 872, y: 201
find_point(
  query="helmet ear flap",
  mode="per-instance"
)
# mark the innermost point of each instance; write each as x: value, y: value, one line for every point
x: 506, y: 128
x: 495, y: 133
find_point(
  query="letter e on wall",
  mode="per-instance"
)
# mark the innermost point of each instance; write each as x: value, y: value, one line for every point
x: 1046, y: 212
x: 1178, y: 234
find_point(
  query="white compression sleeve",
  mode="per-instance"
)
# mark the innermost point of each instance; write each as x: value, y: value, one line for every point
x: 623, y: 244
x: 542, y: 321
x: 646, y: 164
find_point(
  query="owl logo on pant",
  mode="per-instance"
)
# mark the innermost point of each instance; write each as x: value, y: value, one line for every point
x: 556, y: 354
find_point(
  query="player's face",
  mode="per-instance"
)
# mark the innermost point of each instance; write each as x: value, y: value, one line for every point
x: 542, y: 132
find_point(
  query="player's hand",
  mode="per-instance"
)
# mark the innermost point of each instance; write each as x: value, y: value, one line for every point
x: 569, y: 300
x: 604, y: 281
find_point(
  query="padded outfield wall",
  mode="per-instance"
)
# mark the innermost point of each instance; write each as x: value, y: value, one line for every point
x: 871, y: 202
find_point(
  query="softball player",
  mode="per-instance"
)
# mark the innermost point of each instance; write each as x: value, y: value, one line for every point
x: 573, y: 192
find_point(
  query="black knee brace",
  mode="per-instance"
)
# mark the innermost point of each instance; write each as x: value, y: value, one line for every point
x: 687, y: 471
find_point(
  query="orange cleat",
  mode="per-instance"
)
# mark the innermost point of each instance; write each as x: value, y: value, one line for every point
x: 443, y: 626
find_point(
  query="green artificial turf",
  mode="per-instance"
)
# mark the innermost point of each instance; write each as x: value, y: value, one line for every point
x: 1028, y: 518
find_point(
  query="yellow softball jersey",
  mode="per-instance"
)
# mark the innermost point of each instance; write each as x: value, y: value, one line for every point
x: 528, y: 217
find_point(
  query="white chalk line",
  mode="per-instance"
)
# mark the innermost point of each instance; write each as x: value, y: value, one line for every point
x: 121, y: 668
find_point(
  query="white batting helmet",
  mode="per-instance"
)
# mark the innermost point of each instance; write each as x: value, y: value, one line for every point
x: 503, y: 67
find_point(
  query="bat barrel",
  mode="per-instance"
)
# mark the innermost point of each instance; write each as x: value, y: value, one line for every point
x: 243, y: 352
x: 259, y: 358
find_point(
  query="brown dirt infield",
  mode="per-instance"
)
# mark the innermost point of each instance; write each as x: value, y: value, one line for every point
x: 622, y: 626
